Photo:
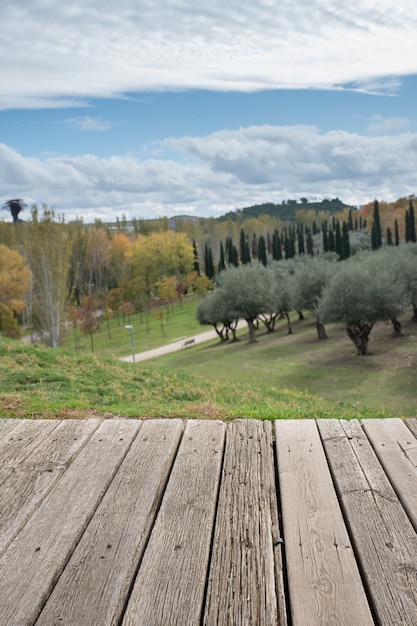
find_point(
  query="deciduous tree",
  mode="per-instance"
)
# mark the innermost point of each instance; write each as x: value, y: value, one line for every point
x: 14, y: 286
x: 47, y: 245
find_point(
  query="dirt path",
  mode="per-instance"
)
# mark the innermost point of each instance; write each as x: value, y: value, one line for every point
x: 174, y: 346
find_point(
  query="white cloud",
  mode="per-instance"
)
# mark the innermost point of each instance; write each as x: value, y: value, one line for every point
x: 87, y: 123
x: 223, y: 171
x: 54, y: 52
x: 381, y: 125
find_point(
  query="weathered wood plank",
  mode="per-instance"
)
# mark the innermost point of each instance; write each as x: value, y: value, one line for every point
x: 94, y: 586
x: 324, y: 581
x: 412, y: 425
x: 384, y: 539
x: 6, y: 425
x: 34, y: 561
x: 169, y: 588
x: 32, y: 477
x: 396, y: 449
x: 20, y: 442
x: 241, y: 588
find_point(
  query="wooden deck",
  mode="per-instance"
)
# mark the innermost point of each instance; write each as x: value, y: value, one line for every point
x: 171, y: 522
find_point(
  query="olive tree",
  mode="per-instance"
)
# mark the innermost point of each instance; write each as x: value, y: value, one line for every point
x: 213, y: 310
x: 407, y: 267
x: 248, y: 291
x: 360, y: 293
x: 284, y: 274
x: 306, y: 287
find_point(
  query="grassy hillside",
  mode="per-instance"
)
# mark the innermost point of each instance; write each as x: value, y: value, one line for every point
x: 292, y: 376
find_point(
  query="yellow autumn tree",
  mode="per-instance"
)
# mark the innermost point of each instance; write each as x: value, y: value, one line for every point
x: 158, y: 256
x: 14, y: 286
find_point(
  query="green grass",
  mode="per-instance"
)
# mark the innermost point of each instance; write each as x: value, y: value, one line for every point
x: 384, y: 382
x: 281, y: 376
x: 114, y: 340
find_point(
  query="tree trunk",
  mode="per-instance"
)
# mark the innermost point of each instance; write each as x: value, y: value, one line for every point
x: 396, y: 324
x: 220, y: 332
x: 300, y: 315
x: 288, y: 322
x: 414, y: 318
x: 359, y: 334
x: 251, y: 326
x: 321, y: 331
x: 232, y: 326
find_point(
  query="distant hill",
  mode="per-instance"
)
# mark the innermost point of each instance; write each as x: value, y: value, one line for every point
x: 285, y: 211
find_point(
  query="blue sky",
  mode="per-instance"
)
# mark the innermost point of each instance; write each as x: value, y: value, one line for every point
x: 182, y: 107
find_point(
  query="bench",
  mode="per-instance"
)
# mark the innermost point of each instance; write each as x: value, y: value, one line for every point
x: 188, y: 343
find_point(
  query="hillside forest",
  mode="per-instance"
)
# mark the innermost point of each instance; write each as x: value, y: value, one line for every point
x: 339, y: 263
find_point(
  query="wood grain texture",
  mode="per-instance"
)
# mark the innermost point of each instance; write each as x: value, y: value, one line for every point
x: 412, y: 425
x: 242, y: 584
x: 384, y: 539
x: 35, y: 475
x: 396, y: 449
x: 6, y: 425
x: 19, y: 443
x: 33, y: 562
x: 324, y: 582
x: 94, y: 586
x: 169, y: 588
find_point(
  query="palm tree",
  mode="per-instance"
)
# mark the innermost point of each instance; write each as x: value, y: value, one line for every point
x: 15, y: 207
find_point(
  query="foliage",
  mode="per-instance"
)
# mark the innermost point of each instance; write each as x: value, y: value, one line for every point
x: 14, y: 286
x: 286, y: 211
x: 158, y: 256
x: 248, y: 291
x: 357, y: 295
x: 47, y: 247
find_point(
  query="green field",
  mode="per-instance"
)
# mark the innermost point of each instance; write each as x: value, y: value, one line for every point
x: 293, y: 376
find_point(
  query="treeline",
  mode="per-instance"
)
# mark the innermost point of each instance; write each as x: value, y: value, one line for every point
x: 359, y: 291
x: 287, y: 210
x: 343, y: 236
x: 53, y: 273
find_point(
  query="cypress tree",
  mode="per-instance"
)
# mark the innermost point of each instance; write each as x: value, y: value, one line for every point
x: 234, y: 256
x: 338, y: 241
x: 247, y: 252
x: 196, y: 264
x: 268, y: 243
x: 412, y: 223
x: 350, y: 221
x: 276, y: 246
x: 230, y: 251
x: 301, y: 246
x: 376, y: 234
x: 332, y: 243
x: 309, y: 244
x: 243, y: 249
x: 345, y: 241
x: 292, y: 245
x: 287, y: 248
x: 254, y: 246
x: 208, y: 262
x: 407, y: 227
x: 222, y: 262
x: 262, y: 250
x: 389, y: 237
x: 396, y: 233
x: 325, y: 241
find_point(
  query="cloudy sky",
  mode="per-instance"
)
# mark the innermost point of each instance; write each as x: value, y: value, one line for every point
x: 167, y: 107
